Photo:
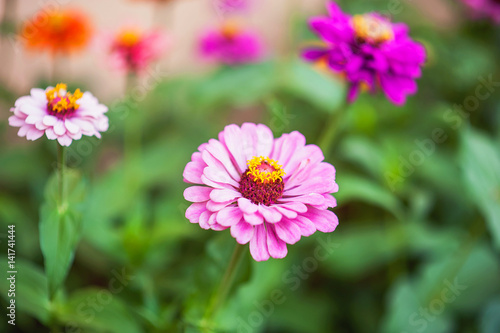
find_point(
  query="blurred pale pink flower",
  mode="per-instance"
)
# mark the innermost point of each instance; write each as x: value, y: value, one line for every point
x: 485, y: 9
x: 133, y: 50
x: 61, y: 115
x: 231, y: 6
x: 269, y: 192
x: 230, y: 44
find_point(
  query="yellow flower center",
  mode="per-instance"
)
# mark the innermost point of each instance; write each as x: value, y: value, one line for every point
x: 372, y: 28
x: 230, y: 29
x: 59, y: 100
x: 265, y: 170
x: 56, y: 20
x: 129, y: 37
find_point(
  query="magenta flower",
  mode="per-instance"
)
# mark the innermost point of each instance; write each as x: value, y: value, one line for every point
x: 59, y: 114
x: 231, y: 45
x: 485, y: 9
x: 269, y: 192
x: 133, y: 50
x: 371, y: 51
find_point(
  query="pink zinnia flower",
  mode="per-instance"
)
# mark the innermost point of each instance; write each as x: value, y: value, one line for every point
x: 231, y: 45
x: 134, y: 50
x: 485, y: 8
x: 269, y: 192
x: 59, y: 114
x: 371, y: 51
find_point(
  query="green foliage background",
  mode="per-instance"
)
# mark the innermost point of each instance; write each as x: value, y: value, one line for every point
x: 407, y: 230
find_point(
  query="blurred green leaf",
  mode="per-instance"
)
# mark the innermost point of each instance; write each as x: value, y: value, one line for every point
x: 480, y: 161
x: 98, y: 310
x: 239, y: 85
x: 355, y: 188
x: 60, y: 226
x: 490, y: 319
x: 319, y: 89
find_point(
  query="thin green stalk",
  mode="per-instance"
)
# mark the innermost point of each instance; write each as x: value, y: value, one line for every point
x: 330, y: 131
x: 61, y: 166
x: 132, y: 133
x: 226, y: 284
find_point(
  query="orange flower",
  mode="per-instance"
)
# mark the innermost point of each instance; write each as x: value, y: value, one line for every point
x: 57, y: 31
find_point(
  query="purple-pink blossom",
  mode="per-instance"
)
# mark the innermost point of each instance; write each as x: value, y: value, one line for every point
x: 231, y: 44
x: 269, y: 192
x: 484, y: 9
x: 59, y: 114
x: 370, y: 51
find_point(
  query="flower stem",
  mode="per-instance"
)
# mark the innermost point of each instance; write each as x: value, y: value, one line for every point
x: 61, y: 165
x: 132, y: 132
x: 330, y: 131
x: 226, y: 284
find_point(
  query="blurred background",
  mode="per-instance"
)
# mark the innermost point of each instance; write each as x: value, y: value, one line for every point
x: 417, y: 247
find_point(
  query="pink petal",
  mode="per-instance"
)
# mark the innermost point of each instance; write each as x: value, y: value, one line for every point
x: 229, y: 216
x: 255, y: 218
x: 15, y: 121
x: 262, y: 139
x: 49, y: 120
x: 286, y: 212
x: 23, y: 130
x: 232, y: 138
x: 288, y: 231
x: 34, y: 134
x: 324, y: 220
x: 194, y: 211
x: 314, y: 199
x: 223, y: 195
x: 220, y: 153
x: 197, y: 193
x: 270, y: 214
x: 242, y: 232
x: 59, y: 128
x: 276, y: 247
x: 217, y: 227
x: 258, y: 244
x: 49, y: 132
x: 204, y: 218
x: 33, y: 118
x: 216, y: 206
x: 64, y: 140
x: 193, y: 171
x: 219, y: 176
x: 71, y: 127
x: 307, y: 228
x: 247, y: 206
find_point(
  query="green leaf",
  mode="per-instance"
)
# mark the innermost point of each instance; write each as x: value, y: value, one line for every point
x: 321, y: 90
x: 236, y: 85
x: 98, y: 310
x: 490, y: 319
x: 480, y: 160
x: 356, y: 188
x: 31, y: 292
x: 60, y: 227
